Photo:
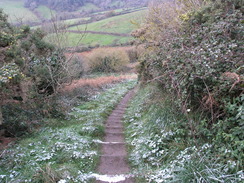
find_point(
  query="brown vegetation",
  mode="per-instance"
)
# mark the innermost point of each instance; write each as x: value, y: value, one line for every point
x: 96, y: 82
x: 86, y: 58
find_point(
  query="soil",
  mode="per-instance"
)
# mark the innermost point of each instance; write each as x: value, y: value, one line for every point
x: 5, y: 141
x: 113, y: 161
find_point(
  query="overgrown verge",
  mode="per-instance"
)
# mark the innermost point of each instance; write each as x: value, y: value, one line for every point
x: 66, y: 150
x: 193, y: 50
x: 163, y: 149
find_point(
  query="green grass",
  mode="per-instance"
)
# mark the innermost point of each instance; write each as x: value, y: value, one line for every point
x: 66, y: 22
x: 66, y: 148
x: 117, y: 24
x: 104, y: 40
x: 161, y: 148
x: 17, y: 12
x: 45, y: 12
x: 89, y: 39
x: 75, y: 20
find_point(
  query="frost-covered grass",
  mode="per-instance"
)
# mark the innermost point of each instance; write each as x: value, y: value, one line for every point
x: 162, y: 149
x: 67, y: 152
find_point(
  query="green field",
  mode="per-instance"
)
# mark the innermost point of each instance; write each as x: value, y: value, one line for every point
x: 103, y: 40
x: 117, y: 24
x: 75, y: 20
x: 74, y: 39
x: 16, y: 11
x: 45, y: 12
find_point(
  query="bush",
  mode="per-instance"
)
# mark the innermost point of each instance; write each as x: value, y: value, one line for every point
x: 76, y: 67
x: 19, y: 119
x: 133, y: 54
x: 30, y: 68
x: 108, y: 60
x: 199, y: 60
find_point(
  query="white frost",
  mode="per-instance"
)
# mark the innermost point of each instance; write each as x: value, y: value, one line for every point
x: 110, y: 178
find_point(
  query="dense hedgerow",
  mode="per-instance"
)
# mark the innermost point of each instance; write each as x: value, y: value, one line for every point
x: 198, y: 58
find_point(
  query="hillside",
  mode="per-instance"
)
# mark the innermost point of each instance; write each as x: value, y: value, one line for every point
x: 109, y: 31
x: 71, y: 5
x: 101, y: 24
x: 33, y: 12
x: 17, y: 12
x: 126, y: 95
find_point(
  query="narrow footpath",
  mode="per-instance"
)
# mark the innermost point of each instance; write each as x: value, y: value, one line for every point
x: 113, y: 161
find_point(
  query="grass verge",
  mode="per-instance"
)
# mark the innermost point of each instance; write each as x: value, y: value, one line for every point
x: 161, y: 146
x: 66, y: 149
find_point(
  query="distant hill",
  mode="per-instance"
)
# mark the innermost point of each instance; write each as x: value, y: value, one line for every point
x: 73, y: 5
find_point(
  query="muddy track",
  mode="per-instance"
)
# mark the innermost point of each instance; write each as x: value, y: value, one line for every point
x: 98, y: 32
x: 113, y: 165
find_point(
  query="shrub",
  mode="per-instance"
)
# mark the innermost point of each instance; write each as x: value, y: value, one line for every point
x: 26, y: 59
x: 132, y: 54
x: 76, y: 67
x: 198, y: 59
x: 108, y: 60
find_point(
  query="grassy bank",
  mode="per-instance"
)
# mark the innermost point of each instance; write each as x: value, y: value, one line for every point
x: 162, y: 148
x: 65, y: 149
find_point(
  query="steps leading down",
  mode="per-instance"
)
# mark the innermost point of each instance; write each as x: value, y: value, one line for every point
x: 113, y: 161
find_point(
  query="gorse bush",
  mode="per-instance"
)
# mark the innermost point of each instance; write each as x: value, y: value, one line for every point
x: 31, y: 70
x: 108, y: 60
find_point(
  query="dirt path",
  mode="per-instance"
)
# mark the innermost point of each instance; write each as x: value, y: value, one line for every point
x: 113, y: 161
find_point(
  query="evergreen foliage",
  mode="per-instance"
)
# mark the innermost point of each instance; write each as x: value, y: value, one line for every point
x: 30, y: 69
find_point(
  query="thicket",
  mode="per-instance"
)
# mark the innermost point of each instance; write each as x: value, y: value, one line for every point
x: 31, y: 70
x: 108, y: 60
x: 194, y: 51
